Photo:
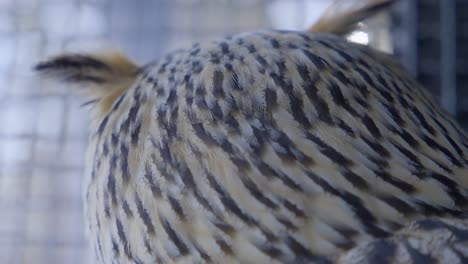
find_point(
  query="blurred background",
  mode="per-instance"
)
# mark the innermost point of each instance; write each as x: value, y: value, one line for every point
x: 43, y: 129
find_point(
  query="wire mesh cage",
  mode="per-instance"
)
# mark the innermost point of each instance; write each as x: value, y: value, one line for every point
x: 43, y: 134
x: 430, y: 38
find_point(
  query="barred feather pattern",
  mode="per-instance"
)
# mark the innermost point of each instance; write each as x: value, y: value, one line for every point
x: 270, y: 147
x: 430, y: 240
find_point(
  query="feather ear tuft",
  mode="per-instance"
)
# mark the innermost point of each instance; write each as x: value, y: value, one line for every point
x: 342, y: 16
x: 102, y: 77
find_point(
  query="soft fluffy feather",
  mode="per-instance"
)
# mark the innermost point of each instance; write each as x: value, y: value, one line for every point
x: 100, y: 77
x: 342, y: 16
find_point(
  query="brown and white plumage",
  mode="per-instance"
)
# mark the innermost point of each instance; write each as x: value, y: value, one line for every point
x: 275, y: 146
x: 343, y: 16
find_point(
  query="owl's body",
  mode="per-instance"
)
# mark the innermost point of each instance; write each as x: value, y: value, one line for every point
x: 270, y: 147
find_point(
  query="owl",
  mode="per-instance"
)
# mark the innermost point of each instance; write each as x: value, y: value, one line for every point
x: 270, y: 147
